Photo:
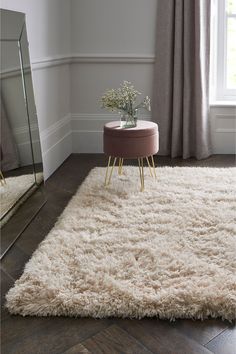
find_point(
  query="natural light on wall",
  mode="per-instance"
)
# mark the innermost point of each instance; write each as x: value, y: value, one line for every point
x: 223, y: 51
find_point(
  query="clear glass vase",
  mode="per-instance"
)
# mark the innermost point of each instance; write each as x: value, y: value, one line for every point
x: 127, y: 120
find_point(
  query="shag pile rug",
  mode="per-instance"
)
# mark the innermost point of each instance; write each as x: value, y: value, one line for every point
x: 14, y: 192
x: 169, y: 251
x: 13, y: 189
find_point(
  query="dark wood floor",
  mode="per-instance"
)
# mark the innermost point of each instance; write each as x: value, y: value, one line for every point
x: 32, y: 335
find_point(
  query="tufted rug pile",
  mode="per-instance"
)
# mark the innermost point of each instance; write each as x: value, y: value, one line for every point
x: 169, y: 251
x: 13, y: 189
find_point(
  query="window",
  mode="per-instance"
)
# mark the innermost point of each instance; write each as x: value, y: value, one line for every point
x: 223, y: 50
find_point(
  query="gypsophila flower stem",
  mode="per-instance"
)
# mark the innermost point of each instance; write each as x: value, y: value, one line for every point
x: 123, y: 100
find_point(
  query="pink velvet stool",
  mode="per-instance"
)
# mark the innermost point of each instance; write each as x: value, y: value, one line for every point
x: 140, y: 142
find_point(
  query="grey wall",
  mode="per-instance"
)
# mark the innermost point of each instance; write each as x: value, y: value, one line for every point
x: 112, y: 41
x: 113, y: 27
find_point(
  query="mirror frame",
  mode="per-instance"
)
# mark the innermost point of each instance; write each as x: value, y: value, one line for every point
x: 17, y: 218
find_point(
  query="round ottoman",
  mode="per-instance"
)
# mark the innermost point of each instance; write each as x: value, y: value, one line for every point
x: 139, y: 142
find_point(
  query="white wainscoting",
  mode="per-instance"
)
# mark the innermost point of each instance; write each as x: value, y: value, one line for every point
x: 42, y: 63
x: 23, y: 143
x: 51, y: 77
x: 51, y: 88
x: 82, y: 132
x: 87, y: 131
x: 89, y: 78
x: 38, y: 64
x: 48, y: 62
x: 56, y: 145
x: 223, y: 129
x: 96, y: 58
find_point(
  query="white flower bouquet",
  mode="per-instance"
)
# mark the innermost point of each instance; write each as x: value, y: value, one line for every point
x: 123, y: 100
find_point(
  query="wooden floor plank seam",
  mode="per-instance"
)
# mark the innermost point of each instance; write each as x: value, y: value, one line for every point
x: 172, y: 337
x: 214, y: 338
x: 7, y: 274
x: 107, y: 338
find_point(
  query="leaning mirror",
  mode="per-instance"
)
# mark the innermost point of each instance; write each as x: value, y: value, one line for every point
x: 21, y: 172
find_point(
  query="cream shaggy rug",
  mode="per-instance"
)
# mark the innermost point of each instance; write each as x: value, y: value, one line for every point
x: 13, y: 189
x: 168, y: 252
x: 14, y: 193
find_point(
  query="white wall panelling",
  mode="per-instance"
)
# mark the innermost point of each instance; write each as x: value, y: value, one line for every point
x: 23, y: 143
x: 223, y: 129
x: 87, y: 78
x: 113, y: 58
x: 52, y: 94
x: 87, y: 131
x: 56, y: 144
x: 80, y: 58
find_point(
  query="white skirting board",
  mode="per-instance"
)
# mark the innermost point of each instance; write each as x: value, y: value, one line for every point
x: 87, y: 131
x: 83, y: 133
x: 223, y: 129
x: 57, y: 154
x: 56, y: 144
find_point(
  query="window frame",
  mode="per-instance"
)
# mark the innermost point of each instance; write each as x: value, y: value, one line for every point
x: 219, y: 52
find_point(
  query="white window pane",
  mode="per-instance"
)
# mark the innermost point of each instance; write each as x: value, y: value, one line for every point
x: 231, y: 6
x: 231, y: 53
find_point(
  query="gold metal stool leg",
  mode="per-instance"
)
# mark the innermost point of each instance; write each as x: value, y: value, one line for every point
x: 112, y: 168
x: 108, y: 165
x: 2, y: 178
x: 150, y: 169
x: 141, y: 173
x: 121, y: 166
x: 153, y: 166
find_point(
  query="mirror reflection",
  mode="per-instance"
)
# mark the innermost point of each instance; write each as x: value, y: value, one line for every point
x: 21, y: 158
x: 32, y: 115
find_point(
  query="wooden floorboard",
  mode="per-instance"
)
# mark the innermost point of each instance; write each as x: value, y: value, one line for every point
x: 156, y: 335
x: 201, y: 331
x: 48, y: 335
x: 77, y: 349
x: 224, y: 343
x: 54, y: 335
x: 115, y: 340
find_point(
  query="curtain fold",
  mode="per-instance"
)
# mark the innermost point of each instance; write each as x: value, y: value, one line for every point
x: 181, y: 78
